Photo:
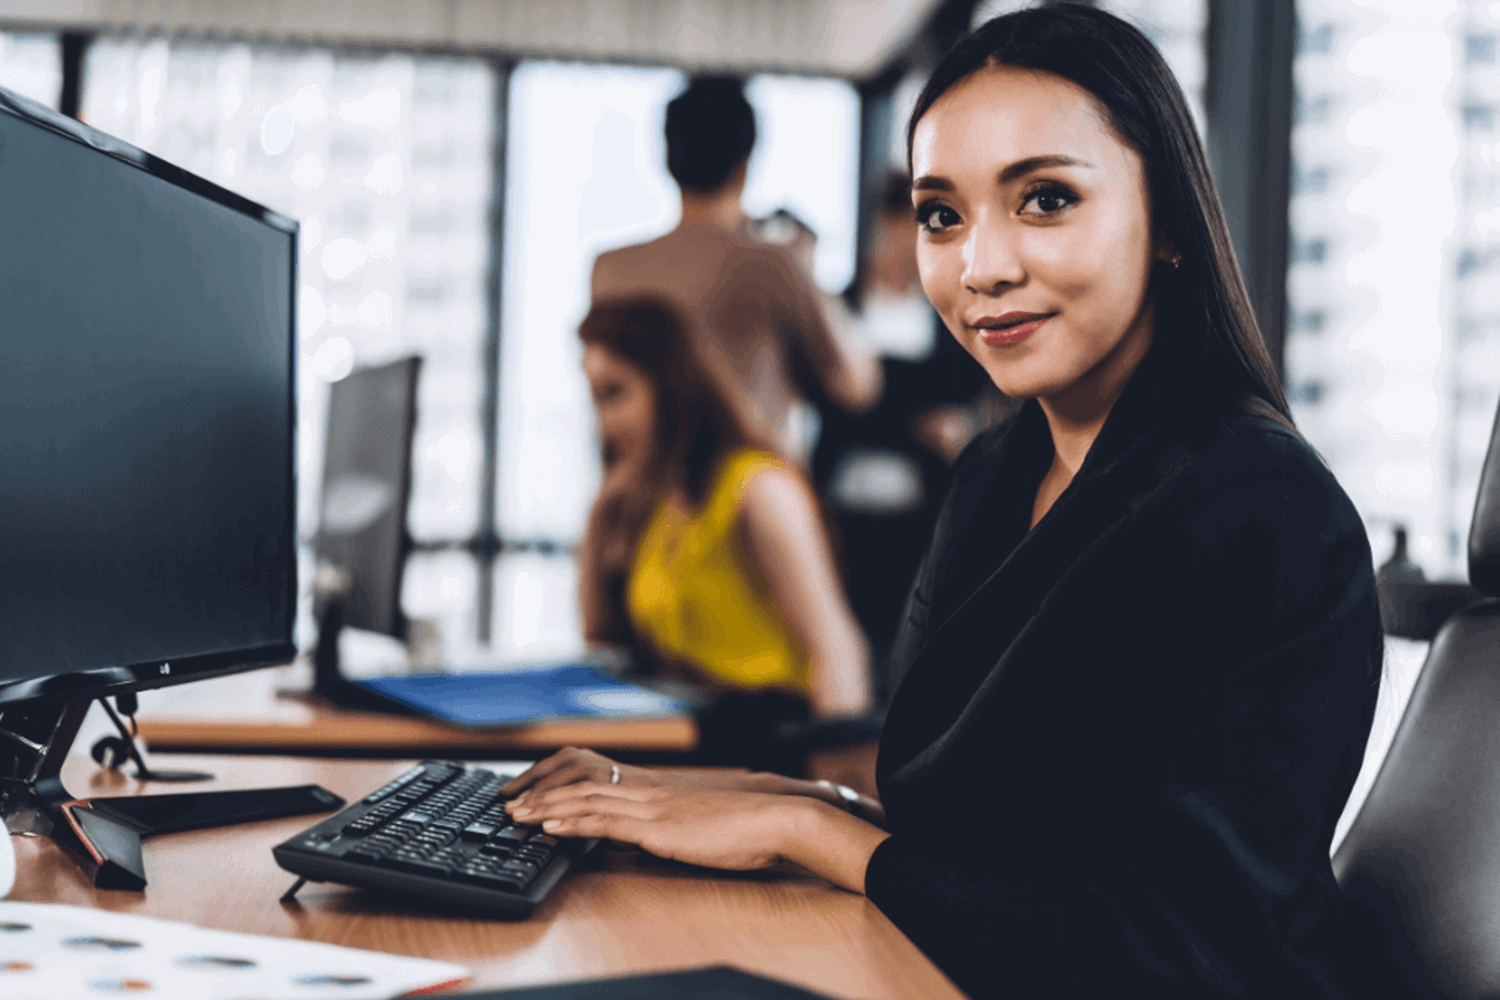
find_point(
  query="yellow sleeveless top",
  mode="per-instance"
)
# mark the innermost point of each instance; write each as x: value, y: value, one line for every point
x: 694, y: 592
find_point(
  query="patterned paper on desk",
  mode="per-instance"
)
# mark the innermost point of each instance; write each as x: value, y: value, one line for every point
x: 64, y: 952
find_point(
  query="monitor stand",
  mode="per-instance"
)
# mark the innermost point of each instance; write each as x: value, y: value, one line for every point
x: 329, y: 683
x: 104, y: 835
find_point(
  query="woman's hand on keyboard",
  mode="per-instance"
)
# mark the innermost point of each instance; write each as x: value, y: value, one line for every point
x: 735, y: 830
x: 571, y: 765
x: 717, y: 829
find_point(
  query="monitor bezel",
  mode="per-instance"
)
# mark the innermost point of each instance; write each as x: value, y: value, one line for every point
x: 105, y: 681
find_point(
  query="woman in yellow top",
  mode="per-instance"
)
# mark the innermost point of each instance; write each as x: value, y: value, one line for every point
x: 705, y: 549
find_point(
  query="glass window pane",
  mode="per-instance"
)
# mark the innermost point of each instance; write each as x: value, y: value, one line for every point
x: 1177, y: 28
x: 586, y: 172
x: 386, y: 161
x: 1377, y: 296
x: 441, y: 587
x: 806, y: 159
x: 536, y: 608
x: 1474, y: 359
x: 31, y: 65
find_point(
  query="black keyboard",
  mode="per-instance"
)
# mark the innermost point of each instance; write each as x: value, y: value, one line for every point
x: 439, y: 831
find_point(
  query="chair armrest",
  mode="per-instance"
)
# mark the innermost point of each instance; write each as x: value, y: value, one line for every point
x: 1415, y: 609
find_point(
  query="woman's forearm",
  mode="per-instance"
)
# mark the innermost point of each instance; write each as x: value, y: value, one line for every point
x: 870, y: 808
x: 829, y: 842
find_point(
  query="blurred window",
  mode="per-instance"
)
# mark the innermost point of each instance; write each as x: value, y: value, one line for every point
x: 806, y: 160
x: 387, y: 162
x: 1178, y: 28
x: 31, y: 65
x: 1396, y: 109
x: 586, y: 171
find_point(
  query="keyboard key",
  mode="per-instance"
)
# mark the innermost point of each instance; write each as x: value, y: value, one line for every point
x: 478, y: 831
x: 510, y: 836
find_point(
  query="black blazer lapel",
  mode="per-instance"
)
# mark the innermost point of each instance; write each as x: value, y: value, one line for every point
x: 962, y: 653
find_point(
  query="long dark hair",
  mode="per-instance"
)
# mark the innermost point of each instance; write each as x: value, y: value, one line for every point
x: 697, y: 419
x: 1205, y: 328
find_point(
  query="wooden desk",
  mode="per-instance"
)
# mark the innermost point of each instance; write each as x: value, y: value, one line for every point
x: 634, y: 915
x: 242, y: 714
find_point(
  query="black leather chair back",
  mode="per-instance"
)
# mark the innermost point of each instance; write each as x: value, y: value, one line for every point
x: 1423, y: 855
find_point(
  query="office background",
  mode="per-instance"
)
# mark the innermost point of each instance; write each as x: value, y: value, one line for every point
x: 455, y: 176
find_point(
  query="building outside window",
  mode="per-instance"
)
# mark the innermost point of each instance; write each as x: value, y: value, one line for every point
x: 31, y: 65
x: 1393, y: 332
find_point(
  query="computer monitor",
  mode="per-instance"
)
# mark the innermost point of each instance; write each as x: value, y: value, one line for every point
x: 362, y: 541
x: 147, y: 426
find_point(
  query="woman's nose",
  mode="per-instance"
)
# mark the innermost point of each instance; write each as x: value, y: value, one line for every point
x: 992, y: 261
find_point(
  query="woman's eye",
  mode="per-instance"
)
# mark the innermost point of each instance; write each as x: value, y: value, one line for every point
x: 935, y: 216
x: 1047, y: 201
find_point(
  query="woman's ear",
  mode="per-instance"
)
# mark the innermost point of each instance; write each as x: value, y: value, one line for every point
x: 1166, y: 251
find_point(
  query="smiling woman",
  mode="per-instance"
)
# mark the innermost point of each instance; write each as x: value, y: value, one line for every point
x: 1141, y: 657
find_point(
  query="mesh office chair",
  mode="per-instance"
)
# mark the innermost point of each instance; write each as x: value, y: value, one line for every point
x: 1423, y: 856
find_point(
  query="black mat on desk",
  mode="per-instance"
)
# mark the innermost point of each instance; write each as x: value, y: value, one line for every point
x: 719, y: 982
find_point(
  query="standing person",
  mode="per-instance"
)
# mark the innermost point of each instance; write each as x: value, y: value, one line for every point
x: 1142, y: 656
x: 705, y: 549
x: 748, y: 298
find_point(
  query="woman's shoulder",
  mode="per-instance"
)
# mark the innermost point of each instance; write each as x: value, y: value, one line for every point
x: 738, y: 472
x: 741, y: 466
x: 1251, y: 476
x: 1247, y: 449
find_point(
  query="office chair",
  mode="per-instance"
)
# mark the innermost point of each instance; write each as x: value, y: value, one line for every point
x: 1416, y: 609
x: 1422, y: 858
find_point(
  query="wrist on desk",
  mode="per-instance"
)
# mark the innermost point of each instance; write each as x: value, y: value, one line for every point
x: 828, y: 841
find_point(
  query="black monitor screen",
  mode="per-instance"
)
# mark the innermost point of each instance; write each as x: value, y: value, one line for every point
x: 145, y: 413
x: 366, y: 482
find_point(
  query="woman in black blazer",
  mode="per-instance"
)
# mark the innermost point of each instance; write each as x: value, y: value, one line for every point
x: 1142, y: 655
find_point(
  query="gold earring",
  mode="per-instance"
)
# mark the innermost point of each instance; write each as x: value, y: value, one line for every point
x: 1177, y: 260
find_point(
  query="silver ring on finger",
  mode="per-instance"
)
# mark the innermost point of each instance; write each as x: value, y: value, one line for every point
x: 614, y: 774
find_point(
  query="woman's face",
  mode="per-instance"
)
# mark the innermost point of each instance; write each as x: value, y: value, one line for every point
x: 625, y: 402
x: 1034, y: 239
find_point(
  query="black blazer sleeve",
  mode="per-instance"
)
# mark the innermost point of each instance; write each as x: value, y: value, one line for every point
x: 1129, y: 785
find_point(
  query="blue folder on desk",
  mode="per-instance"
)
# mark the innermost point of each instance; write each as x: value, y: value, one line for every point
x: 519, y: 697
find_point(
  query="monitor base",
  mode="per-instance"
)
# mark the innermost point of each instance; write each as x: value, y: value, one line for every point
x: 329, y: 683
x: 104, y: 835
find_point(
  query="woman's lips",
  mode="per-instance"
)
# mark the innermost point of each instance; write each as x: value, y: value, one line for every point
x: 1004, y: 331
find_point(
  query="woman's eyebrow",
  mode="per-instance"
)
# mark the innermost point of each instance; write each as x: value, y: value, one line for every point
x: 1033, y: 163
x: 928, y: 182
x: 1014, y: 171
